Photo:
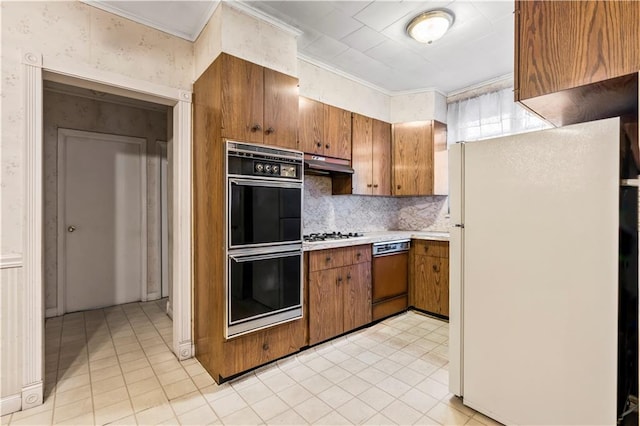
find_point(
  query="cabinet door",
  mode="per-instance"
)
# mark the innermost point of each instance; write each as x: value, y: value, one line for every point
x: 361, y: 151
x: 413, y: 158
x: 443, y: 281
x: 242, y: 100
x: 565, y: 44
x: 427, y: 291
x: 357, y: 295
x: 280, y: 109
x: 337, y: 132
x: 381, y: 157
x: 310, y: 126
x: 325, y: 305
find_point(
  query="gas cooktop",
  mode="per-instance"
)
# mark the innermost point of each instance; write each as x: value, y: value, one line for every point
x: 324, y: 236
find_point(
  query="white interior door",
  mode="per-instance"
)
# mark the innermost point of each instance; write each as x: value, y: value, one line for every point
x: 101, y: 219
x: 540, y: 275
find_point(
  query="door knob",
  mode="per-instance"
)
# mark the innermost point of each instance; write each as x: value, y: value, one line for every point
x: 71, y: 228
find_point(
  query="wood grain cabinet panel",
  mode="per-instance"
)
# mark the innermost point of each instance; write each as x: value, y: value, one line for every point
x: 429, y: 281
x: 311, y: 126
x: 280, y: 109
x: 242, y: 99
x: 257, y: 104
x: 371, y: 156
x: 414, y: 167
x: 357, y: 295
x: 337, y: 132
x: 339, y: 296
x: 566, y: 44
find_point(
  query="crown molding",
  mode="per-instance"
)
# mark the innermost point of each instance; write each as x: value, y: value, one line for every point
x: 242, y: 6
x: 501, y: 82
x: 111, y: 8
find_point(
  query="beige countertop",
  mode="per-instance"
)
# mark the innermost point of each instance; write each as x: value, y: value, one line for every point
x: 377, y: 237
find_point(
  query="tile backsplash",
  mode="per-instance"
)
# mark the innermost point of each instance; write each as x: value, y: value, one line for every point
x: 347, y: 213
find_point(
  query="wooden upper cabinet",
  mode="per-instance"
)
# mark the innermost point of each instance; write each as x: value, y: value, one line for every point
x: 414, y: 168
x: 337, y: 132
x: 280, y: 109
x: 371, y: 156
x: 324, y: 129
x: 242, y: 99
x: 361, y: 152
x: 560, y: 45
x: 311, y: 126
x: 257, y: 104
x: 381, y: 158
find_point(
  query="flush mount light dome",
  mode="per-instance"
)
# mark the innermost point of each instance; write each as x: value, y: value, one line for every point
x: 430, y: 26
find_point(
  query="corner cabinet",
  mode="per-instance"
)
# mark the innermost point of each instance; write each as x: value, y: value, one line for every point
x: 574, y: 59
x: 371, y: 156
x: 419, y: 159
x: 256, y: 104
x: 429, y: 276
x: 339, y: 285
x: 324, y: 129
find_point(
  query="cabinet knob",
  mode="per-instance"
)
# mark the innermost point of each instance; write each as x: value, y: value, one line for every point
x: 327, y: 146
x: 256, y: 127
x: 348, y: 276
x: 375, y: 185
x: 368, y: 185
x: 358, y: 255
x: 435, y: 268
x: 339, y: 280
x: 265, y: 346
x: 327, y: 259
x: 399, y: 187
x: 318, y: 144
x: 270, y: 130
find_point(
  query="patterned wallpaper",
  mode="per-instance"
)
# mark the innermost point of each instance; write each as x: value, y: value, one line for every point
x: 348, y: 213
x: 81, y: 113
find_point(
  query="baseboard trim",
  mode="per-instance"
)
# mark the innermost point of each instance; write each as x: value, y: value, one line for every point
x: 10, y: 404
x: 154, y: 296
x: 51, y: 312
x: 169, y: 309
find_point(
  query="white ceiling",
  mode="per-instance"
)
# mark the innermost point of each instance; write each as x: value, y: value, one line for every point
x: 367, y: 39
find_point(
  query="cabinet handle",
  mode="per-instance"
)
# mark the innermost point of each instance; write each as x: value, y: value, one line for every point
x: 328, y: 259
x: 270, y: 130
x: 256, y: 127
x: 399, y: 187
x: 358, y: 255
x: 375, y: 186
x: 318, y: 144
x: 348, y: 276
x: 435, y: 268
x: 265, y: 346
x: 369, y: 185
x: 339, y: 280
x: 327, y: 146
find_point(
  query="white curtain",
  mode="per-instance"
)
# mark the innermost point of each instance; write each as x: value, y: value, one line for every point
x: 489, y: 115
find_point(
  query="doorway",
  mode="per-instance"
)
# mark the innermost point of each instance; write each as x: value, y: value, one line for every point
x: 102, y: 218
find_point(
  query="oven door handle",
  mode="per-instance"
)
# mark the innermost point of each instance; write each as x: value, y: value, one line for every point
x: 252, y: 258
x: 265, y: 183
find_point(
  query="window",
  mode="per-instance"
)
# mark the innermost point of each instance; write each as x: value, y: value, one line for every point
x: 489, y: 115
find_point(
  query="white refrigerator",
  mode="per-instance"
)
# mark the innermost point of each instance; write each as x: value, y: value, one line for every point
x: 534, y: 275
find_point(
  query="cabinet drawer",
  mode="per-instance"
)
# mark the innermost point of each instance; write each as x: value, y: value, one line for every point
x: 338, y: 257
x: 431, y: 248
x: 252, y: 350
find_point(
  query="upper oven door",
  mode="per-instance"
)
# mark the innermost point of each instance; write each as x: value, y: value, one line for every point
x: 264, y: 212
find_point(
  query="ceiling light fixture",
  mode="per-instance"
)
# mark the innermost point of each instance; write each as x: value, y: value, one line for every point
x: 430, y: 26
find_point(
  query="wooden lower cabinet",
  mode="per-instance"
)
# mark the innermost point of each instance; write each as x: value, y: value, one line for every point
x: 251, y: 350
x: 429, y: 290
x: 340, y: 294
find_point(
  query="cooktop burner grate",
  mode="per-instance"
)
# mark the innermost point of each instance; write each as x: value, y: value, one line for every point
x: 324, y: 236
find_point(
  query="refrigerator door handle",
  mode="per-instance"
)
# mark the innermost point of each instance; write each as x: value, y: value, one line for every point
x: 459, y: 225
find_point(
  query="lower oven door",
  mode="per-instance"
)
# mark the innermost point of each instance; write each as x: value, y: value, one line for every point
x: 265, y: 288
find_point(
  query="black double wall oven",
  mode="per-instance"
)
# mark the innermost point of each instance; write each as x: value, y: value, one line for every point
x: 264, y: 236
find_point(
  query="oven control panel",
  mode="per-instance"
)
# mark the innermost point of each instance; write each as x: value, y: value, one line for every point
x: 259, y: 160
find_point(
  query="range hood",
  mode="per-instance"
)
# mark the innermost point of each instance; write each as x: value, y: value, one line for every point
x: 320, y: 165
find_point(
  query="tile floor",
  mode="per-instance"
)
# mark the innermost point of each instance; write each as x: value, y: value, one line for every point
x: 113, y: 366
